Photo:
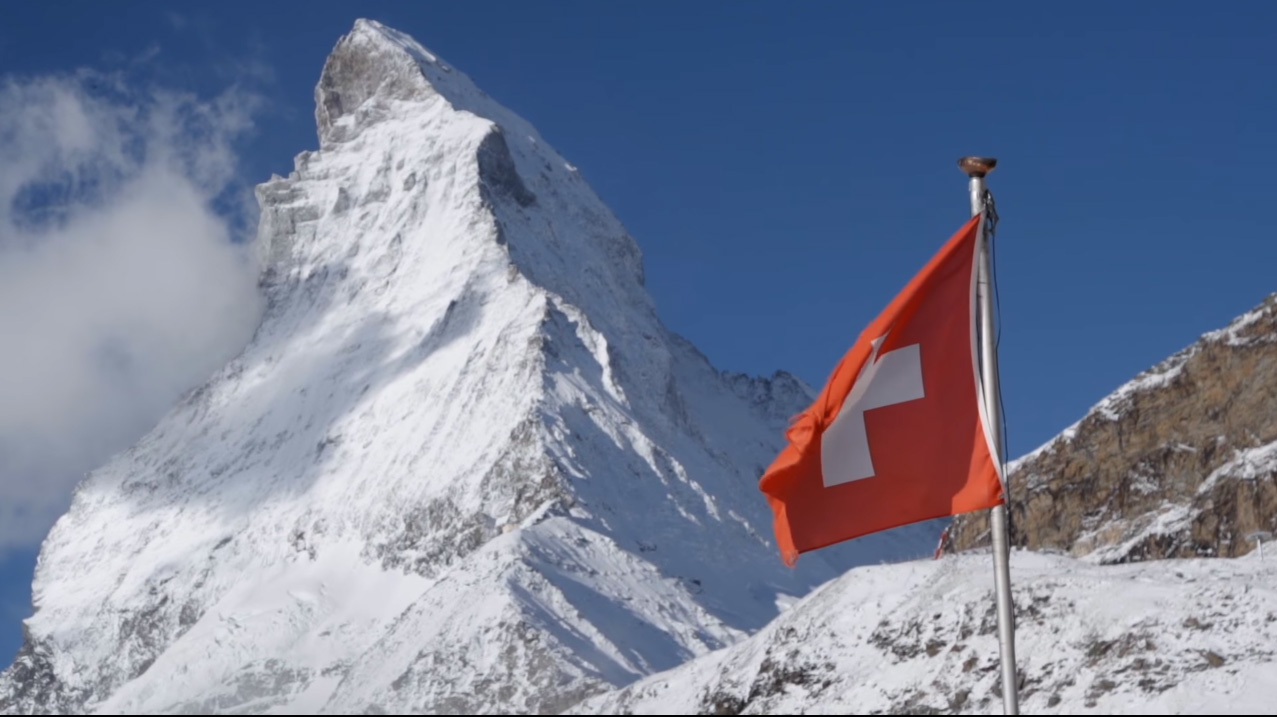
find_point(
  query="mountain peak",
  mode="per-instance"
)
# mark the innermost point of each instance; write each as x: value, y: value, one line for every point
x: 371, y: 66
x: 461, y: 467
x: 386, y: 100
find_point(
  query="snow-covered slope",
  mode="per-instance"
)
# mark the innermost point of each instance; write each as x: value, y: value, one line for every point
x: 1163, y: 637
x: 461, y: 467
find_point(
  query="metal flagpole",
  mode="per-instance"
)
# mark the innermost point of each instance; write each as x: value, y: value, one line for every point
x: 976, y: 168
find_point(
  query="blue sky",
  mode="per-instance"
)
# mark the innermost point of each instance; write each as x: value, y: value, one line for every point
x: 787, y: 167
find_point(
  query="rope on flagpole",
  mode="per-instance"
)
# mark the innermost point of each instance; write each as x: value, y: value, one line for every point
x: 990, y: 208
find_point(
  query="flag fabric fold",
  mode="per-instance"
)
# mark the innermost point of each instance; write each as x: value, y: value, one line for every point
x: 898, y: 434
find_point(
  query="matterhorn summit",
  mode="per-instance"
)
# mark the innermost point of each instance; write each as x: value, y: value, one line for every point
x: 461, y: 467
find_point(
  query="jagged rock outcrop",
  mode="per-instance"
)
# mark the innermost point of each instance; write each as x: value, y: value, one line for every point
x: 1180, y: 462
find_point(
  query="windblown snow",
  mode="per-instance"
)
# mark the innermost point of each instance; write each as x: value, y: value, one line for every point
x: 462, y: 466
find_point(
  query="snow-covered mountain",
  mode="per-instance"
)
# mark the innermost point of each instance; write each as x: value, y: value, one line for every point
x: 1161, y: 637
x: 1181, y: 461
x: 461, y: 467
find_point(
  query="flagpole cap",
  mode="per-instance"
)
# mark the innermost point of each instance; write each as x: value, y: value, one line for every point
x: 977, y: 166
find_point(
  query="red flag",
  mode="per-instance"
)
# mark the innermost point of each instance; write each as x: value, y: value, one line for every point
x: 898, y: 434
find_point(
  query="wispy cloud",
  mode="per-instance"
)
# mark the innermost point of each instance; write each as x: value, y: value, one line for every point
x: 120, y: 286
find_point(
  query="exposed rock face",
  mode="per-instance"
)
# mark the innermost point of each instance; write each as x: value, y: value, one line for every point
x: 1180, y: 462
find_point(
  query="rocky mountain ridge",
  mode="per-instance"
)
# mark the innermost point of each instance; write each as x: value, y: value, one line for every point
x: 1179, y: 462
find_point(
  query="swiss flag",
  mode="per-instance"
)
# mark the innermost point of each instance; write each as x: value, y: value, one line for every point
x: 898, y: 434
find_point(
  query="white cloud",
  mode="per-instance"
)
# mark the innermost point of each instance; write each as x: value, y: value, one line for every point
x: 120, y: 286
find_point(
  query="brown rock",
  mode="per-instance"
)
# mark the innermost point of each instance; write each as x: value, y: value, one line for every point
x: 1171, y: 465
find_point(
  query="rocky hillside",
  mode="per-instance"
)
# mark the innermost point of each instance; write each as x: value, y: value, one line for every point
x: 1179, y: 462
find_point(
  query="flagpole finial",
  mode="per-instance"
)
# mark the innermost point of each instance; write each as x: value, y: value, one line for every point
x: 977, y: 166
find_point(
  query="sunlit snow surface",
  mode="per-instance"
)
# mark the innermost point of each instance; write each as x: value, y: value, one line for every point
x: 1162, y: 637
